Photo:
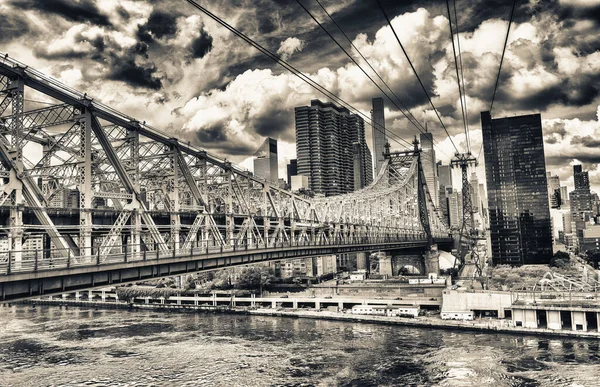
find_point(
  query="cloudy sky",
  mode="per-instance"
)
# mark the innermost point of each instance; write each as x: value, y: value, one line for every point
x: 165, y: 63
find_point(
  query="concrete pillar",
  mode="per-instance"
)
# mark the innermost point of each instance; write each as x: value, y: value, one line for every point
x: 385, y: 265
x: 214, y: 301
x: 233, y: 300
x: 77, y: 296
x: 362, y: 261
x: 295, y: 304
x: 341, y: 305
x: 90, y: 295
x: 273, y: 304
x: 432, y: 263
x: 317, y: 305
x: 103, y: 296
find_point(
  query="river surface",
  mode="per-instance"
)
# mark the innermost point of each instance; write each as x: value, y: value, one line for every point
x: 52, y: 346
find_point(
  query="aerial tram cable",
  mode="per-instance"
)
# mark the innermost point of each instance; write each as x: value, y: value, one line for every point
x: 512, y: 11
x: 462, y: 75
x: 408, y: 114
x: 290, y: 68
x: 458, y: 78
x: 416, y: 74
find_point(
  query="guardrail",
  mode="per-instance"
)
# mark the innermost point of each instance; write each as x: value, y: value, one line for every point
x: 12, y: 262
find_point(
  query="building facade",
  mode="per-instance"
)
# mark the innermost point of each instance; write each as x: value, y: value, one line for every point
x: 265, y: 161
x: 292, y: 170
x: 519, y: 214
x: 429, y: 166
x: 325, y: 134
x: 378, y: 133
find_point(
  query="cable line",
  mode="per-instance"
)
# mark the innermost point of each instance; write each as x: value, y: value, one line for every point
x: 353, y: 60
x: 460, y: 94
x: 512, y: 11
x: 415, y: 72
x: 285, y: 65
x: 412, y: 118
x: 462, y: 75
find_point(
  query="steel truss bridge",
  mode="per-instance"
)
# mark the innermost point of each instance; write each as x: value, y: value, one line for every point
x: 90, y: 196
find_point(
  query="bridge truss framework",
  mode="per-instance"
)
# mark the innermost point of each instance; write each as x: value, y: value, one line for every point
x: 137, y: 190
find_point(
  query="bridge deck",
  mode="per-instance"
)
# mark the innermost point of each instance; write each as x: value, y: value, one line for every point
x: 30, y: 278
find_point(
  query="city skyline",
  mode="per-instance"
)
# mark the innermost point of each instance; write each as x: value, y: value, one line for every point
x: 231, y: 110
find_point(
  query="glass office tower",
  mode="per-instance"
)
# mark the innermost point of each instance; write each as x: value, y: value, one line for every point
x: 515, y: 167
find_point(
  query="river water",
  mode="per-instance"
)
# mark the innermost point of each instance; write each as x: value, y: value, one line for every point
x: 52, y: 346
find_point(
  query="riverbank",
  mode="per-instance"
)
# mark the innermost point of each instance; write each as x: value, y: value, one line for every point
x: 482, y: 325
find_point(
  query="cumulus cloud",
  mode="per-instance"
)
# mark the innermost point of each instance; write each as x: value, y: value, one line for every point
x: 290, y: 46
x: 182, y: 71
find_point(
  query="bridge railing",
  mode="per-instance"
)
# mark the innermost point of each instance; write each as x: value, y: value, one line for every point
x: 12, y: 262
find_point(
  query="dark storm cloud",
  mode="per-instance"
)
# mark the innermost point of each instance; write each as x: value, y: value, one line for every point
x: 12, y: 27
x: 586, y: 141
x: 128, y: 71
x: 125, y: 68
x: 215, y: 138
x: 585, y: 159
x: 554, y: 132
x: 78, y: 11
x: 160, y: 24
x: 202, y: 44
x: 275, y: 124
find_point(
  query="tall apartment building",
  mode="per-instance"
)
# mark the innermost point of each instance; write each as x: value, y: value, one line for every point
x: 581, y: 202
x: 428, y: 163
x: 325, y: 134
x: 455, y: 208
x: 553, y: 190
x: 378, y: 132
x: 474, y: 189
x: 265, y: 161
x: 519, y: 215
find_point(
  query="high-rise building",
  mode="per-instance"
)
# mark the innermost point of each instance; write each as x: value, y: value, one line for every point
x: 564, y: 196
x: 292, y: 170
x: 474, y: 187
x: 325, y: 134
x: 519, y: 215
x: 455, y: 208
x: 428, y: 163
x: 581, y: 202
x: 378, y: 132
x: 444, y: 175
x: 553, y: 190
x: 265, y: 162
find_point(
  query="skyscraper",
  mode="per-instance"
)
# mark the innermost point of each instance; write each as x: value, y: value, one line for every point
x: 265, y: 162
x: 444, y: 175
x: 429, y: 166
x: 378, y: 132
x: 519, y: 215
x: 325, y: 135
x: 292, y: 170
x: 554, y: 190
x: 474, y: 186
x: 581, y: 202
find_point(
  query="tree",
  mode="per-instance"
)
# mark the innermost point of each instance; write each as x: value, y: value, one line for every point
x: 560, y: 259
x: 254, y: 278
x: 593, y: 257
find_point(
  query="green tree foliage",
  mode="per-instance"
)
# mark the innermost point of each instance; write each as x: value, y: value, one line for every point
x: 254, y: 278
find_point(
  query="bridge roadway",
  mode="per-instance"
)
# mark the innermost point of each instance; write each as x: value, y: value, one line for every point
x: 29, y: 276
